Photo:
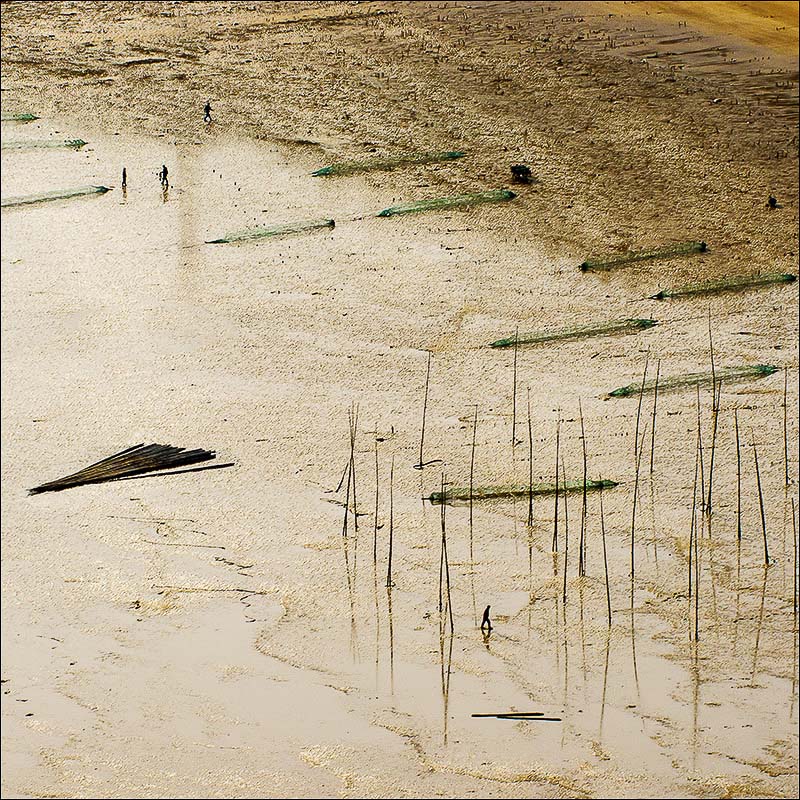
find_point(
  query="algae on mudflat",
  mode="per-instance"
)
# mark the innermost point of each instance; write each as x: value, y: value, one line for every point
x: 668, y: 251
x: 56, y: 194
x: 33, y: 144
x: 383, y: 164
x: 582, y: 332
x: 10, y: 117
x: 274, y: 230
x: 735, y: 284
x: 725, y: 375
x: 494, y: 196
x: 502, y: 492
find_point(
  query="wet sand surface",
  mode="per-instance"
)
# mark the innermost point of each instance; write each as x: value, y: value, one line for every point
x: 215, y: 634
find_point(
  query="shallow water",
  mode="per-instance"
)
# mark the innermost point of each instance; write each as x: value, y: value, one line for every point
x: 120, y: 325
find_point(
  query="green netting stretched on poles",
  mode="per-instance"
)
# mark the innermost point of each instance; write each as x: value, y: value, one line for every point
x: 383, y: 164
x: 275, y: 230
x: 501, y: 492
x: 494, y: 196
x: 668, y: 251
x: 7, y: 117
x: 726, y: 285
x: 56, y: 194
x: 585, y: 331
x: 32, y: 144
x: 725, y: 375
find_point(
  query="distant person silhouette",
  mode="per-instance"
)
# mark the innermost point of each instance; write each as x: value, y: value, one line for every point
x: 163, y: 175
x: 124, y: 178
x: 207, y: 112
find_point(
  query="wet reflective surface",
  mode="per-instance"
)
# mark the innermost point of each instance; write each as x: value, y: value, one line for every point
x: 225, y: 618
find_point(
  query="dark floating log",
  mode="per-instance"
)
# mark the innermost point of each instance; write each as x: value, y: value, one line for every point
x: 528, y: 719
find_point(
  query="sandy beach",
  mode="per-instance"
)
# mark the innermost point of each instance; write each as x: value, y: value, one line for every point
x: 230, y: 632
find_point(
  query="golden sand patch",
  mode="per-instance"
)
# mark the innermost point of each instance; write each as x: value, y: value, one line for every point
x: 769, y: 23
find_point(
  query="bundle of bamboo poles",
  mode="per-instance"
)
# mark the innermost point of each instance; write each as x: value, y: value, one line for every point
x: 132, y: 461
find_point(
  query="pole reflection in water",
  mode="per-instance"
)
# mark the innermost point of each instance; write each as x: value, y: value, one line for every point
x: 377, y: 624
x: 446, y: 662
x: 583, y: 634
x: 695, y: 671
x: 391, y: 638
x: 605, y: 686
x: 760, y: 624
x: 556, y: 637
x: 633, y: 657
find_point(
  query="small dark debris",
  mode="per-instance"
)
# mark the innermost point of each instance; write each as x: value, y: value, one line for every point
x: 521, y: 173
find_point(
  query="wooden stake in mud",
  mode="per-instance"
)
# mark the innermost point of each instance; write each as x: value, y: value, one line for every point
x: 785, y: 427
x: 696, y: 584
x: 353, y: 417
x: 761, y: 503
x: 346, y: 505
x: 441, y: 550
x: 639, y: 410
x: 633, y: 513
x: 653, y: 425
x: 738, y: 477
x: 349, y: 471
x: 700, y: 445
x: 514, y: 394
x: 566, y: 533
x: 353, y: 434
x: 530, y: 465
x: 582, y: 544
x: 692, y: 534
x: 375, y: 520
x: 444, y: 564
x: 391, y: 635
x: 713, y: 368
x: 794, y: 562
x: 389, y: 582
x: 555, y: 515
x: 421, y: 463
x: 716, y: 408
x: 605, y: 554
x: 637, y: 459
x: 472, y: 481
